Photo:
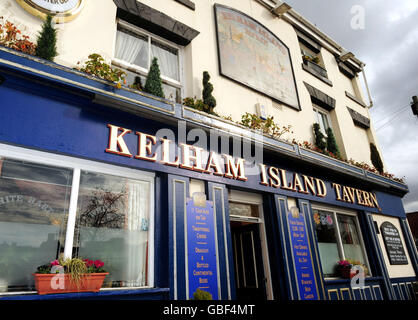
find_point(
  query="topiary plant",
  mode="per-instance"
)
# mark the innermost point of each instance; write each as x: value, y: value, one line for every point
x: 202, y: 295
x: 320, y: 141
x: 46, y: 46
x: 332, y: 143
x: 153, y: 85
x: 375, y: 158
x: 208, y: 98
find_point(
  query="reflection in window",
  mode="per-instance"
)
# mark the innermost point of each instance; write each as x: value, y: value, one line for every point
x: 242, y: 209
x: 34, y: 201
x: 327, y: 240
x: 112, y: 226
x: 349, y: 238
x: 338, y: 239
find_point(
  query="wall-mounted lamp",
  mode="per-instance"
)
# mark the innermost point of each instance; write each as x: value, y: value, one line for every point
x: 281, y: 8
x: 346, y: 55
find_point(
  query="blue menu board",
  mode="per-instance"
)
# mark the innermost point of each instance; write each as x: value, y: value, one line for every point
x: 302, y: 257
x: 201, y: 248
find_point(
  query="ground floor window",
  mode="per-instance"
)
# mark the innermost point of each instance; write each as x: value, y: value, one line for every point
x: 339, y: 238
x: 113, y: 217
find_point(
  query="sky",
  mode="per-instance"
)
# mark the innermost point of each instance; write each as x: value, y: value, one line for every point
x: 384, y: 35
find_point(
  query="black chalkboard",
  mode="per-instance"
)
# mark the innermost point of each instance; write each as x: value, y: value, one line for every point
x: 393, y: 244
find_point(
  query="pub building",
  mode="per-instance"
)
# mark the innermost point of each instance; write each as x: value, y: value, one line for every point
x: 173, y: 199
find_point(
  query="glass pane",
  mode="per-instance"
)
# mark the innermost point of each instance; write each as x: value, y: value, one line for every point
x: 132, y: 48
x: 242, y: 209
x: 132, y: 79
x: 34, y: 201
x: 327, y: 240
x: 167, y: 59
x: 350, y: 238
x: 112, y: 225
x: 172, y: 93
x: 324, y: 120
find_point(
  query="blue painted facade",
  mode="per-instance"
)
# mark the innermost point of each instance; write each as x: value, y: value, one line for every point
x: 53, y: 109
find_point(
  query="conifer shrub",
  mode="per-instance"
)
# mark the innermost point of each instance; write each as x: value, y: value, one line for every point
x: 332, y: 143
x: 46, y: 46
x: 320, y: 141
x: 375, y: 158
x: 208, y: 98
x: 153, y: 84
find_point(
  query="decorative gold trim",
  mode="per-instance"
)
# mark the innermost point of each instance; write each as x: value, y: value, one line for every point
x: 58, y: 17
x: 349, y: 293
x: 333, y: 290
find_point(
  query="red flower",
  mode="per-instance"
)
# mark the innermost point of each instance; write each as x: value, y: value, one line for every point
x: 98, y: 263
x: 55, y: 263
x: 88, y: 262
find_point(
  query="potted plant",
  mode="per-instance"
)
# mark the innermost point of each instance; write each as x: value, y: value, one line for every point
x: 70, y: 275
x: 201, y: 295
x: 345, y: 268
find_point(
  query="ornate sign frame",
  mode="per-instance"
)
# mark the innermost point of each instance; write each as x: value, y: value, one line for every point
x: 69, y: 9
x: 252, y: 55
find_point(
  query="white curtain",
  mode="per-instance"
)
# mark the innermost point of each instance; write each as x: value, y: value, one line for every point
x: 167, y: 61
x: 137, y: 233
x: 131, y: 49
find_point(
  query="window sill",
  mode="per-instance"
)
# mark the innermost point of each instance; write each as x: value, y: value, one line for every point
x: 114, y: 293
x: 316, y: 75
x: 329, y: 281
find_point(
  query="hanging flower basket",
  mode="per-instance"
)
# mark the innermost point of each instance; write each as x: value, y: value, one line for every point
x: 70, y: 275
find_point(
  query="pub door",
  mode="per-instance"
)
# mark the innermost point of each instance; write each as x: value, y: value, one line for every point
x: 249, y: 271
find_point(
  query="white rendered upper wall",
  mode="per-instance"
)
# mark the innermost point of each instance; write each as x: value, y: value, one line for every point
x: 94, y: 31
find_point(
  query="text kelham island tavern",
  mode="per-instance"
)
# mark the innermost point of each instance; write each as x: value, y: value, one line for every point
x: 196, y: 159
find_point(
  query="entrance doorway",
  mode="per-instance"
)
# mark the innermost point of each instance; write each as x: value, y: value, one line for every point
x: 252, y: 271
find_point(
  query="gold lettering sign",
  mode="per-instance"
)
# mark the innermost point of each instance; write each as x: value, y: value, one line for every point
x: 234, y: 168
x: 61, y: 10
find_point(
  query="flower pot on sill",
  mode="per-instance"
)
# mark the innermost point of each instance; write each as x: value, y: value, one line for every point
x: 346, y: 273
x: 62, y: 283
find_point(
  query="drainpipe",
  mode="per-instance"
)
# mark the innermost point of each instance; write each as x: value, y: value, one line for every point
x: 367, y: 85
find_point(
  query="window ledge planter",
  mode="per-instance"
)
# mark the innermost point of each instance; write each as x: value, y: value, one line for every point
x: 47, y: 284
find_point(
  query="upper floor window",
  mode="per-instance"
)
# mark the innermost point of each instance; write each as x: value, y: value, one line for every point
x: 322, y: 118
x: 134, y: 51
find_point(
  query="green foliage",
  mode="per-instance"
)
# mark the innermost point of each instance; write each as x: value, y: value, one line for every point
x: 208, y: 99
x: 267, y: 126
x: 97, y: 66
x: 332, y: 144
x: 137, y: 84
x: 202, y: 295
x: 47, y: 41
x: 375, y: 158
x: 199, y: 105
x: 320, y: 141
x: 153, y: 85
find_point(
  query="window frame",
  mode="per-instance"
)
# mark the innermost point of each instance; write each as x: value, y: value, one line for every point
x: 179, y: 84
x: 317, y: 110
x: 335, y: 212
x: 77, y: 165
